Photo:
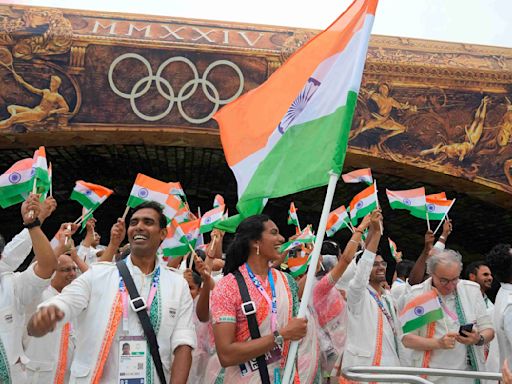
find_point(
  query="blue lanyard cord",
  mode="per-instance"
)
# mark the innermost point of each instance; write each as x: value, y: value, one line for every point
x: 384, y: 311
x: 260, y: 288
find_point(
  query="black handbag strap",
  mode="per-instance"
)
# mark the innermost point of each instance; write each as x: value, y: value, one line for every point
x: 253, y: 324
x: 139, y: 304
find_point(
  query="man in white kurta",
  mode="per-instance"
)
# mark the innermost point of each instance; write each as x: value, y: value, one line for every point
x: 462, y: 303
x: 17, y: 291
x: 50, y: 356
x: 372, y: 332
x: 105, y: 319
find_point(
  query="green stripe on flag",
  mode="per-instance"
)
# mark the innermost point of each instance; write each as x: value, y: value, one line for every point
x: 16, y: 189
x: 423, y: 320
x: 82, y: 199
x: 276, y: 175
x: 134, y: 201
x: 363, y: 212
x: 421, y: 213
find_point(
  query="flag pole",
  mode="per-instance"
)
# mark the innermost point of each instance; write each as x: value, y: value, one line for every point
x: 444, y: 217
x: 125, y: 212
x: 428, y: 220
x: 310, y: 279
x: 378, y: 205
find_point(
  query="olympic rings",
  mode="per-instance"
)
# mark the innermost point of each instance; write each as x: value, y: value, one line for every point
x: 165, y: 89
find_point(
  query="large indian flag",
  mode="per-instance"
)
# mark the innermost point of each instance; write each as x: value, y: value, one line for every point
x: 363, y: 203
x: 146, y: 188
x: 420, y: 311
x: 90, y: 195
x: 407, y: 199
x: 286, y: 135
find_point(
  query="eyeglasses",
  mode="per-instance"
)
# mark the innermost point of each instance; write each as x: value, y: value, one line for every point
x: 67, y: 270
x: 377, y: 264
x: 444, y: 281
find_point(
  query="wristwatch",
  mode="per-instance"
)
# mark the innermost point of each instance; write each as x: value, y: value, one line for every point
x: 35, y: 223
x: 278, y: 340
x: 481, y: 341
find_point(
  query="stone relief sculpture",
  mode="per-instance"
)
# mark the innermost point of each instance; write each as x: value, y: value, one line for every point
x: 473, y: 135
x: 55, y: 39
x: 52, y: 105
x: 382, y: 118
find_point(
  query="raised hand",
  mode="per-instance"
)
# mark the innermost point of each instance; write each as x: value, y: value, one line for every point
x: 118, y: 233
x: 30, y: 209
x: 44, y: 321
x: 48, y: 206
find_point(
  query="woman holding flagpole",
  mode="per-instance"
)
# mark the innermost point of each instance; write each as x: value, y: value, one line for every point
x: 272, y: 300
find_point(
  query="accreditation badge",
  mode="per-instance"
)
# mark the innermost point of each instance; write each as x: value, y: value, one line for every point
x: 132, y: 360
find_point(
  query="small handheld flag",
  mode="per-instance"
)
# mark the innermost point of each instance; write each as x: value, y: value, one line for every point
x: 421, y: 311
x: 359, y: 176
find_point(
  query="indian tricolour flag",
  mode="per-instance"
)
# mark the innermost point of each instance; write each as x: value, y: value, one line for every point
x: 421, y: 311
x: 363, y: 203
x: 392, y: 248
x: 175, y: 243
x: 407, y: 199
x: 40, y: 170
x: 358, y: 176
x: 210, y: 218
x: 435, y: 208
x: 90, y: 195
x: 298, y: 265
x: 337, y: 220
x: 293, y: 219
x: 305, y: 237
x: 286, y: 135
x: 146, y: 188
x: 17, y: 180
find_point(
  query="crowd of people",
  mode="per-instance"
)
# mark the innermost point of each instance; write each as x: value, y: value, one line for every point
x: 120, y: 313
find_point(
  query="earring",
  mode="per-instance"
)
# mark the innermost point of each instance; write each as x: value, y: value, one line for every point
x: 258, y: 249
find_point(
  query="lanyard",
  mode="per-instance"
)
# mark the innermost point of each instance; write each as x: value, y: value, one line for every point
x: 125, y: 296
x: 447, y: 310
x: 272, y: 303
x: 384, y: 310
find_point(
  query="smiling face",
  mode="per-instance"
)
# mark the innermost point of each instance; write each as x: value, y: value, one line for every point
x: 378, y: 274
x: 144, y: 232
x: 483, y: 277
x: 270, y: 241
x: 65, y: 273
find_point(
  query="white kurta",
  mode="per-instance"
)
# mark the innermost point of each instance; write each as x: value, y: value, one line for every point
x: 17, y: 290
x: 15, y: 251
x: 43, y: 352
x: 475, y: 312
x: 503, y: 322
x: 90, y: 298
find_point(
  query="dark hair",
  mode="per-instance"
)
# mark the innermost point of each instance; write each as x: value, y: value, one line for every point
x: 499, y: 259
x: 330, y: 247
x: 201, y: 254
x: 126, y: 345
x: 197, y: 278
x: 238, y: 251
x: 2, y: 244
x: 473, y: 268
x: 404, y: 268
x: 162, y: 220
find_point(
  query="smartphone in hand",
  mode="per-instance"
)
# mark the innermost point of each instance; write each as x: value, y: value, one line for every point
x: 465, y: 327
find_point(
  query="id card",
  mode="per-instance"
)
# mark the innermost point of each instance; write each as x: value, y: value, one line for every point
x: 252, y: 365
x: 132, y: 360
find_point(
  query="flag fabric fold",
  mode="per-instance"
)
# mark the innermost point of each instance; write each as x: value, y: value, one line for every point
x: 337, y: 220
x: 363, y: 203
x: 408, y: 199
x: 15, y: 182
x: 293, y: 219
x: 435, y: 208
x: 90, y: 195
x: 146, y: 188
x: 358, y: 176
x: 305, y: 237
x: 312, y: 95
x: 218, y: 201
x: 211, y: 217
x: 421, y: 311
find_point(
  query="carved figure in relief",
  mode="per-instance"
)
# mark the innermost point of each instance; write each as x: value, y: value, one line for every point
x: 52, y: 105
x: 383, y: 119
x: 505, y: 128
x: 473, y: 135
